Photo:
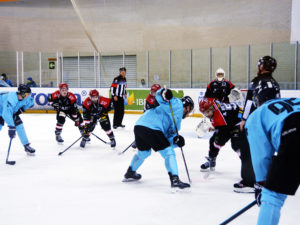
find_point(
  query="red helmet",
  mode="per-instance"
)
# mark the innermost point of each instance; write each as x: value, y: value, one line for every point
x: 63, y: 85
x: 205, y: 104
x: 94, y: 93
x: 155, y: 88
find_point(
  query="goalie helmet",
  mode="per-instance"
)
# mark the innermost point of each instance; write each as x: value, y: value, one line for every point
x: 268, y: 62
x: 265, y: 91
x: 24, y: 89
x: 206, y: 104
x: 63, y: 85
x: 220, y: 71
x: 94, y: 93
x: 155, y: 88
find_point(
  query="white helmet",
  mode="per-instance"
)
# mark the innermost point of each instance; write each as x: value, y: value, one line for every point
x: 220, y: 71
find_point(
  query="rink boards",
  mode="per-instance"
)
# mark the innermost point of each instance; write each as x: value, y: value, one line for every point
x: 136, y: 97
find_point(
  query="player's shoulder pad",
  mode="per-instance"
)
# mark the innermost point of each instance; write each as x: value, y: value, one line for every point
x: 150, y: 99
x: 55, y: 95
x: 104, y: 101
x: 72, y: 97
x: 87, y: 103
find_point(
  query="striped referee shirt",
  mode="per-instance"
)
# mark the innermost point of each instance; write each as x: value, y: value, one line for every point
x: 118, y: 86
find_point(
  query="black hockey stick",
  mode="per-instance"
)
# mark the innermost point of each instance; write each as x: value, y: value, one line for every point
x: 187, y: 171
x: 239, y: 213
x: 70, y: 146
x: 7, y: 161
x: 120, y: 153
x: 108, y: 143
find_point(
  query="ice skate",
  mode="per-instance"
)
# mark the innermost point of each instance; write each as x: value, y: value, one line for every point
x: 83, y: 142
x: 58, y: 137
x: 240, y: 187
x: 177, y: 184
x: 29, y: 150
x: 209, y: 165
x: 131, y: 175
x: 112, y: 143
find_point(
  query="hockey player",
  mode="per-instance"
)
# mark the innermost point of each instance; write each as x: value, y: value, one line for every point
x: 150, y: 100
x: 12, y: 104
x: 155, y: 130
x: 265, y: 67
x: 96, y: 108
x: 273, y: 133
x: 220, y: 88
x: 225, y: 118
x: 64, y: 102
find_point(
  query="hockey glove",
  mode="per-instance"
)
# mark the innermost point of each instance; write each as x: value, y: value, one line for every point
x: 179, y: 140
x: 167, y: 94
x: 12, y: 132
x: 55, y: 105
x: 258, y: 188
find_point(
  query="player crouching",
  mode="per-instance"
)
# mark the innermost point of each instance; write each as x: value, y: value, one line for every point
x: 64, y: 102
x: 156, y: 130
x: 96, y: 108
x: 12, y: 104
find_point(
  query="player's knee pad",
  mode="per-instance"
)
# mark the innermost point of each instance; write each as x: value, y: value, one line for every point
x: 17, y: 120
x: 167, y: 152
x: 144, y: 154
x: 272, y: 197
x: 61, y: 120
x: 105, y: 125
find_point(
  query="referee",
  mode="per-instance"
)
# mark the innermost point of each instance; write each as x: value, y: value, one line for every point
x: 118, y: 92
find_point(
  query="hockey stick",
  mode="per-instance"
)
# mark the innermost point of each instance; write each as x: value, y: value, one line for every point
x: 187, y: 171
x: 239, y: 213
x: 70, y: 146
x: 7, y: 161
x: 108, y: 143
x: 120, y: 153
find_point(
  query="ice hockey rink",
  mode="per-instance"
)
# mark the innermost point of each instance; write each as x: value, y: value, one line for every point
x: 83, y: 186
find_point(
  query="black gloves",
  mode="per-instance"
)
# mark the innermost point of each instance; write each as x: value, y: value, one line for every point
x: 166, y: 94
x: 179, y: 140
x: 12, y: 132
x: 258, y: 188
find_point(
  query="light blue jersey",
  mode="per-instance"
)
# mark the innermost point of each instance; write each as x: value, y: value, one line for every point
x: 160, y: 118
x: 264, y: 127
x: 9, y: 105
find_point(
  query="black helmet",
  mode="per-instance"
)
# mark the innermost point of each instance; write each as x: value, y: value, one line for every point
x: 187, y: 101
x: 268, y: 62
x: 265, y: 91
x: 23, y: 89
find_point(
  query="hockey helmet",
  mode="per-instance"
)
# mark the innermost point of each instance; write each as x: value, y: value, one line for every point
x: 23, y: 89
x: 94, y: 93
x: 63, y: 85
x: 268, y: 63
x: 220, y: 71
x: 265, y: 91
x: 187, y: 101
x: 155, y: 88
x: 206, y: 104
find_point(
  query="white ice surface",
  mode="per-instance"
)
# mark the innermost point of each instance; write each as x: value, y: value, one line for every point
x: 84, y: 186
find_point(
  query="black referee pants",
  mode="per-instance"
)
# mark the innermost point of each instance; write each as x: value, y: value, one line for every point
x: 119, y: 111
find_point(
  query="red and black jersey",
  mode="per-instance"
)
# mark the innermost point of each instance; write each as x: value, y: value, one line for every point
x: 63, y: 103
x: 150, y: 102
x: 226, y: 114
x: 219, y: 90
x: 96, y: 110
